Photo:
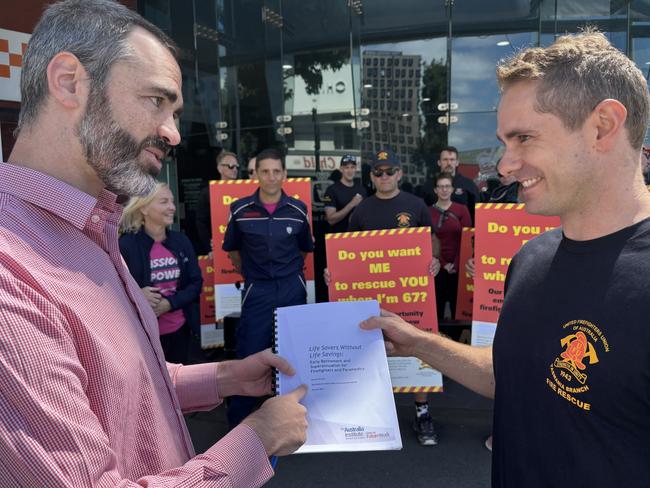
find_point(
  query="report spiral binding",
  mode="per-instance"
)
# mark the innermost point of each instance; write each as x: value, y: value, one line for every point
x: 275, y: 382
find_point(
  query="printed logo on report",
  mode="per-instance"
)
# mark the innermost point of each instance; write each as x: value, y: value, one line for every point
x: 360, y: 432
x: 581, y: 347
x: 403, y: 219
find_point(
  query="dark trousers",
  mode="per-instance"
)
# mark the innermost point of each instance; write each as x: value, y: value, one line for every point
x: 446, y: 291
x: 259, y: 299
x: 175, y: 345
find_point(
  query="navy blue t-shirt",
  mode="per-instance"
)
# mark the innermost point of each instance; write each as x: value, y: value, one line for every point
x: 572, y: 364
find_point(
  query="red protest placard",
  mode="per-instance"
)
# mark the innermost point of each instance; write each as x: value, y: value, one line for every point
x: 206, y: 299
x: 501, y: 230
x: 465, y: 297
x: 222, y: 194
x: 390, y: 266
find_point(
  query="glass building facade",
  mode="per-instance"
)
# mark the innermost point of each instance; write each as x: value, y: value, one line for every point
x: 326, y: 78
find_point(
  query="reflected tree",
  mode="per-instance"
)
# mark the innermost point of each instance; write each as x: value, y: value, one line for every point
x: 310, y: 66
x: 434, y: 134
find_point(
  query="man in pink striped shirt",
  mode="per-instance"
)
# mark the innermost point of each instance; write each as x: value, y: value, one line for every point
x: 86, y: 398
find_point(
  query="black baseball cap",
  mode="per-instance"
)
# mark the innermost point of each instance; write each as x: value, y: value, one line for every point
x: 348, y: 159
x: 385, y: 157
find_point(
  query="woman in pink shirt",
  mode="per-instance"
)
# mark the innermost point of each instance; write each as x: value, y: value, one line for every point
x: 164, y: 265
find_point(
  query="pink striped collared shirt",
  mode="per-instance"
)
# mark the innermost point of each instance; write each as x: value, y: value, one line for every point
x: 86, y: 398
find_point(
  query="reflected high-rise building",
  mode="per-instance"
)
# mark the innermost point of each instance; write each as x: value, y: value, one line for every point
x: 392, y: 84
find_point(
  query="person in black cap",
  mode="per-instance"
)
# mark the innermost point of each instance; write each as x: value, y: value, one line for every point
x: 342, y: 197
x: 390, y: 208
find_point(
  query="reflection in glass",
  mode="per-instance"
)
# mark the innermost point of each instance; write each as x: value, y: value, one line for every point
x: 474, y: 136
x: 416, y: 84
x: 474, y: 86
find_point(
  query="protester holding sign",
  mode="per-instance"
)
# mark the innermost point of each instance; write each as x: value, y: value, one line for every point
x: 448, y: 218
x: 343, y: 196
x: 390, y: 208
x: 163, y: 264
x: 569, y: 372
x: 267, y: 238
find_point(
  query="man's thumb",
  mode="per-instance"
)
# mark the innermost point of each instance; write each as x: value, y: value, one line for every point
x: 298, y: 393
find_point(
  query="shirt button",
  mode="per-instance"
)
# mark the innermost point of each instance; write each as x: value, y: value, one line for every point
x: 94, y: 219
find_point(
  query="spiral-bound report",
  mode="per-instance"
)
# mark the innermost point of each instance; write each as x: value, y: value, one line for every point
x: 350, y: 403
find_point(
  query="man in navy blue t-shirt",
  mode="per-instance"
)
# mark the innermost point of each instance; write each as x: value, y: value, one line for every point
x: 570, y: 367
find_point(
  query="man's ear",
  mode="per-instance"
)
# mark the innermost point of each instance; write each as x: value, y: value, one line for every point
x: 608, y: 120
x: 67, y: 80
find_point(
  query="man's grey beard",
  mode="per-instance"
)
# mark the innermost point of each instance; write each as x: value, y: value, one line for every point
x: 114, y: 153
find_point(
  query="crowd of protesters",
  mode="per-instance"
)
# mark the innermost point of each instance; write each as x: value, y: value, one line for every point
x: 96, y: 309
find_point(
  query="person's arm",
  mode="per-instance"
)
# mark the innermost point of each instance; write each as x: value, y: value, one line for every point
x: 435, y: 246
x: 353, y: 224
x: 235, y: 258
x: 305, y: 240
x: 468, y: 365
x: 334, y: 217
x: 191, y: 290
x: 44, y: 400
x: 465, y: 221
x: 232, y: 241
x: 426, y: 221
x: 280, y: 422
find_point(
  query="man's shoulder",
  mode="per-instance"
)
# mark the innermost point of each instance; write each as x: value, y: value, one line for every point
x: 242, y: 202
x: 369, y: 202
x: 544, y: 244
x: 297, y: 205
x: 410, y: 199
x: 467, y: 182
x: 295, y: 201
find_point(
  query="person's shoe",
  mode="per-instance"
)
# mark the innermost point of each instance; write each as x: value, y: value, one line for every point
x: 423, y: 427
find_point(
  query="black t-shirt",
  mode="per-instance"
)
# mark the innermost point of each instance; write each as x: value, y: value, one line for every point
x: 338, y: 196
x: 465, y: 191
x: 403, y: 210
x: 572, y: 364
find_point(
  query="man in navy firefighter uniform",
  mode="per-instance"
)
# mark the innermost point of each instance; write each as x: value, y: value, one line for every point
x: 267, y: 238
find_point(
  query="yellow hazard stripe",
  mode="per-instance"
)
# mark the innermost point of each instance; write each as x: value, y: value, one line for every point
x: 501, y: 206
x: 417, y: 389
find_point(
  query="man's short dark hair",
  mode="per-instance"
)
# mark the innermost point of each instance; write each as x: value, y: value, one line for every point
x: 270, y: 153
x: 451, y: 149
x: 94, y: 31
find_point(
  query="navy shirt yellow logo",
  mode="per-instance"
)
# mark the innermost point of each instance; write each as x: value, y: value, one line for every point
x: 568, y: 372
x: 403, y: 219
